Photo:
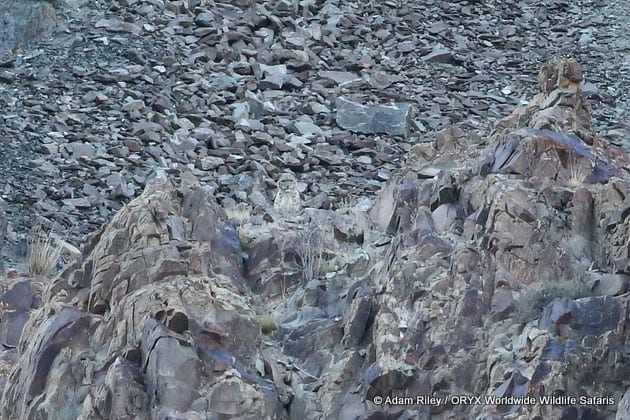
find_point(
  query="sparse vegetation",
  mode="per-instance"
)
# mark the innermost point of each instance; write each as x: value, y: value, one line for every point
x: 43, y: 253
x: 311, y: 252
x: 282, y: 267
x: 3, y: 308
x: 240, y: 213
x: 577, y: 173
x: 268, y: 323
x: 531, y: 306
x: 346, y: 204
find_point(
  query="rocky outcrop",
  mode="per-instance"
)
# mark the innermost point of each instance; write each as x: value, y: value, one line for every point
x: 494, y: 267
x: 152, y: 321
x: 237, y: 92
x: 509, y: 267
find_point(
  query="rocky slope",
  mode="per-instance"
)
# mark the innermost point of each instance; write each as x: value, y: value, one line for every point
x: 489, y: 259
x: 492, y: 267
x: 238, y: 91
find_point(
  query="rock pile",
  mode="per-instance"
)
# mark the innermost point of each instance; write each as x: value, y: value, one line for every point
x: 237, y: 92
x: 308, y: 244
x: 490, y: 266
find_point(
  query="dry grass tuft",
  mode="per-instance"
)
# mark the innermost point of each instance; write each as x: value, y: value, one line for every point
x: 345, y: 204
x: 268, y: 323
x: 43, y: 253
x: 577, y: 173
x: 240, y: 213
x: 311, y: 251
x: 534, y: 301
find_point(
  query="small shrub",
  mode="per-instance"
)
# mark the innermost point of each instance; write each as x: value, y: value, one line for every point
x: 577, y: 173
x: 4, y: 307
x: 240, y: 213
x: 346, y: 204
x: 268, y: 323
x: 43, y: 253
x: 311, y: 252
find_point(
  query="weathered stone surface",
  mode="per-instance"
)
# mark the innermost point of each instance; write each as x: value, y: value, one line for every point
x: 508, y: 269
x: 357, y: 320
x: 113, y: 79
x: 476, y: 236
x: 156, y: 287
x: 389, y: 119
x: 439, y: 55
x: 25, y: 22
x: 623, y: 411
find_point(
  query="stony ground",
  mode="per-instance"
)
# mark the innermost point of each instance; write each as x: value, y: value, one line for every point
x: 489, y: 267
x: 242, y: 92
x: 493, y: 261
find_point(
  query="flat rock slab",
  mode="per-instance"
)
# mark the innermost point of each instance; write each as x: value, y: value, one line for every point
x: 389, y: 119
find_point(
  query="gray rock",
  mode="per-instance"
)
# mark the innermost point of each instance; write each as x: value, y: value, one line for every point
x: 3, y: 232
x: 356, y: 321
x: 608, y: 284
x: 116, y: 25
x: 439, y: 55
x: 623, y: 410
x: 24, y: 22
x: 175, y: 294
x: 307, y: 128
x: 11, y: 327
x: 204, y: 19
x: 78, y: 149
x: 7, y: 77
x: 389, y: 119
x: 19, y: 296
